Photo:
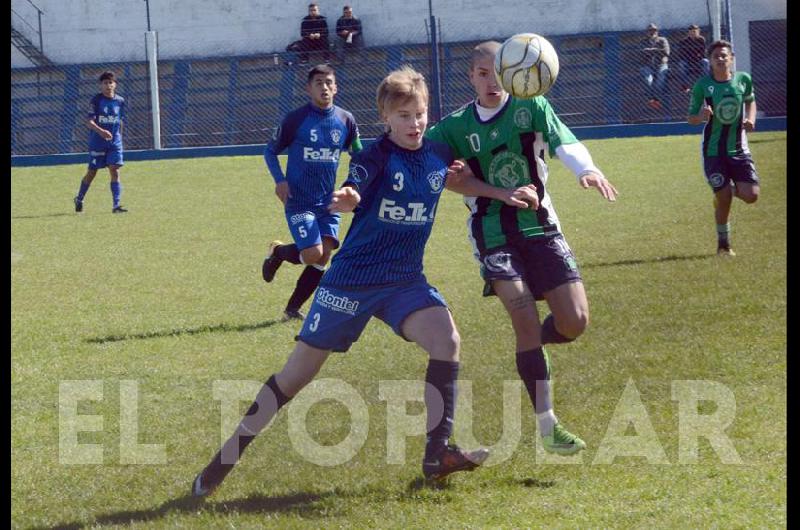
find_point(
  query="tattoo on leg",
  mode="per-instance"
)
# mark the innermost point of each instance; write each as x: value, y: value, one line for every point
x: 520, y: 302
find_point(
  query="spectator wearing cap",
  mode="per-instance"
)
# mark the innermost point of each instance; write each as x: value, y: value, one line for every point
x: 692, y: 61
x: 654, y: 69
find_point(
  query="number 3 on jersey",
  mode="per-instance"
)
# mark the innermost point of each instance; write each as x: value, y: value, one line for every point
x: 313, y: 326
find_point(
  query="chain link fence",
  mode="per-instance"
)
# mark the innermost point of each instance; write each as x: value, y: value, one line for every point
x: 240, y: 100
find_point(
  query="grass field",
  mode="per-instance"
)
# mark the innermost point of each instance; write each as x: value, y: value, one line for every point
x: 169, y: 298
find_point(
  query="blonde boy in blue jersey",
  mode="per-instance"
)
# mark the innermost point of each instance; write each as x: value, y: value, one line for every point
x: 396, y: 183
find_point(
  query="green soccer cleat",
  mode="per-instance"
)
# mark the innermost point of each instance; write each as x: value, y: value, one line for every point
x: 562, y: 442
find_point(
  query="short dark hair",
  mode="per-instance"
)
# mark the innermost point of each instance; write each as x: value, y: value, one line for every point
x: 108, y: 74
x: 320, y: 69
x: 312, y: 5
x: 694, y: 26
x: 719, y: 44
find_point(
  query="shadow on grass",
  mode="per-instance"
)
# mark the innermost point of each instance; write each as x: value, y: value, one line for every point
x: 42, y: 216
x: 176, y: 332
x: 304, y: 504
x: 648, y: 260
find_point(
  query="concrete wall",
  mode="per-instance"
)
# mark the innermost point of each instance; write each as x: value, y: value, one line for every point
x: 81, y: 31
x: 743, y: 12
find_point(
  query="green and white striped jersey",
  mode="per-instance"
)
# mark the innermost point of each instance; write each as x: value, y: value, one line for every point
x: 506, y: 151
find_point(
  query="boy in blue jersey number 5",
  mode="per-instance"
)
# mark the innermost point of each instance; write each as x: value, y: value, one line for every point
x: 105, y: 122
x: 395, y: 184
x: 315, y: 136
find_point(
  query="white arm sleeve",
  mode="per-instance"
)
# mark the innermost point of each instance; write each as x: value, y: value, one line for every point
x: 577, y: 158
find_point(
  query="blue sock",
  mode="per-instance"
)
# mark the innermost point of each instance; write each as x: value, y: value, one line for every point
x: 82, y: 191
x: 442, y: 376
x: 116, y: 191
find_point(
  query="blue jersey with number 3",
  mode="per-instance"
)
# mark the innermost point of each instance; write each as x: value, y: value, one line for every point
x: 399, y: 190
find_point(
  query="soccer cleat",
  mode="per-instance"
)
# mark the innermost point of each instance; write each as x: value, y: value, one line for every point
x: 78, y: 205
x: 562, y: 442
x: 271, y: 263
x: 293, y: 314
x: 119, y: 209
x: 725, y: 251
x: 452, y: 459
x: 210, y: 478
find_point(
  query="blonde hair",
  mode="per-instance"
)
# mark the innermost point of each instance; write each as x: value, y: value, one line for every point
x: 485, y: 49
x: 399, y: 87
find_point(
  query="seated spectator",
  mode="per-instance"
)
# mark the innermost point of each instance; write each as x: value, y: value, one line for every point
x: 314, y: 35
x: 655, y: 56
x: 692, y: 62
x: 348, y: 33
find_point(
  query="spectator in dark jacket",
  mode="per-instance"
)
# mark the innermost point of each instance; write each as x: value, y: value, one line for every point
x: 692, y: 62
x: 349, y: 35
x: 313, y: 33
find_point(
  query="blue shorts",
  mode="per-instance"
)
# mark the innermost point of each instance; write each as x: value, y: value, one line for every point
x: 105, y: 156
x: 543, y: 263
x: 339, y: 315
x: 720, y: 170
x: 309, y: 225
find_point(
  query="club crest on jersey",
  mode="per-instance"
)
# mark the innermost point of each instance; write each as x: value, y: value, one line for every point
x: 336, y: 135
x: 509, y: 170
x: 523, y: 118
x: 497, y: 262
x: 728, y: 110
x: 358, y: 173
x: 436, y: 179
x: 716, y: 180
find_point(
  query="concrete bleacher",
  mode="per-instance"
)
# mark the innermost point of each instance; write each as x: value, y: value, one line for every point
x: 240, y: 100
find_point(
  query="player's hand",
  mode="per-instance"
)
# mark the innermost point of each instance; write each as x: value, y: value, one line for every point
x: 748, y: 125
x: 282, y: 191
x: 344, y: 200
x: 606, y: 189
x: 706, y: 113
x: 526, y: 194
x: 107, y: 135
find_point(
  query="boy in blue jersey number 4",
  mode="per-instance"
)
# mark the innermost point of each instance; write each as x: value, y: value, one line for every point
x: 315, y: 135
x: 394, y: 187
x: 105, y: 122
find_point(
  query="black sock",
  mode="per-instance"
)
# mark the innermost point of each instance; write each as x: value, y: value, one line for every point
x: 533, y: 367
x: 288, y: 253
x: 267, y: 403
x: 306, y: 284
x: 440, y: 403
x: 550, y: 334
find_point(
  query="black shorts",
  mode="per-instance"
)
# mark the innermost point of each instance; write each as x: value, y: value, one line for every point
x: 543, y: 263
x: 720, y: 170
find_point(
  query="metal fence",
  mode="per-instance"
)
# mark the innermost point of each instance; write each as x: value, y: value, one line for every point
x: 240, y: 100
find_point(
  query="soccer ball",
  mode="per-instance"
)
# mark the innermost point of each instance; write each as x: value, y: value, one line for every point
x: 526, y: 65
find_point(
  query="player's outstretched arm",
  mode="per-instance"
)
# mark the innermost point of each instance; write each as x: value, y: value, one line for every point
x: 344, y: 200
x: 591, y: 179
x: 460, y: 179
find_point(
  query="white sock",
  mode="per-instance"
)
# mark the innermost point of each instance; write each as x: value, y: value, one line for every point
x: 547, y: 421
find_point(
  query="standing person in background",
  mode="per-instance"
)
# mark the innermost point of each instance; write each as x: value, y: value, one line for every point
x: 726, y: 102
x: 654, y: 70
x: 692, y: 62
x: 315, y: 136
x: 107, y: 114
